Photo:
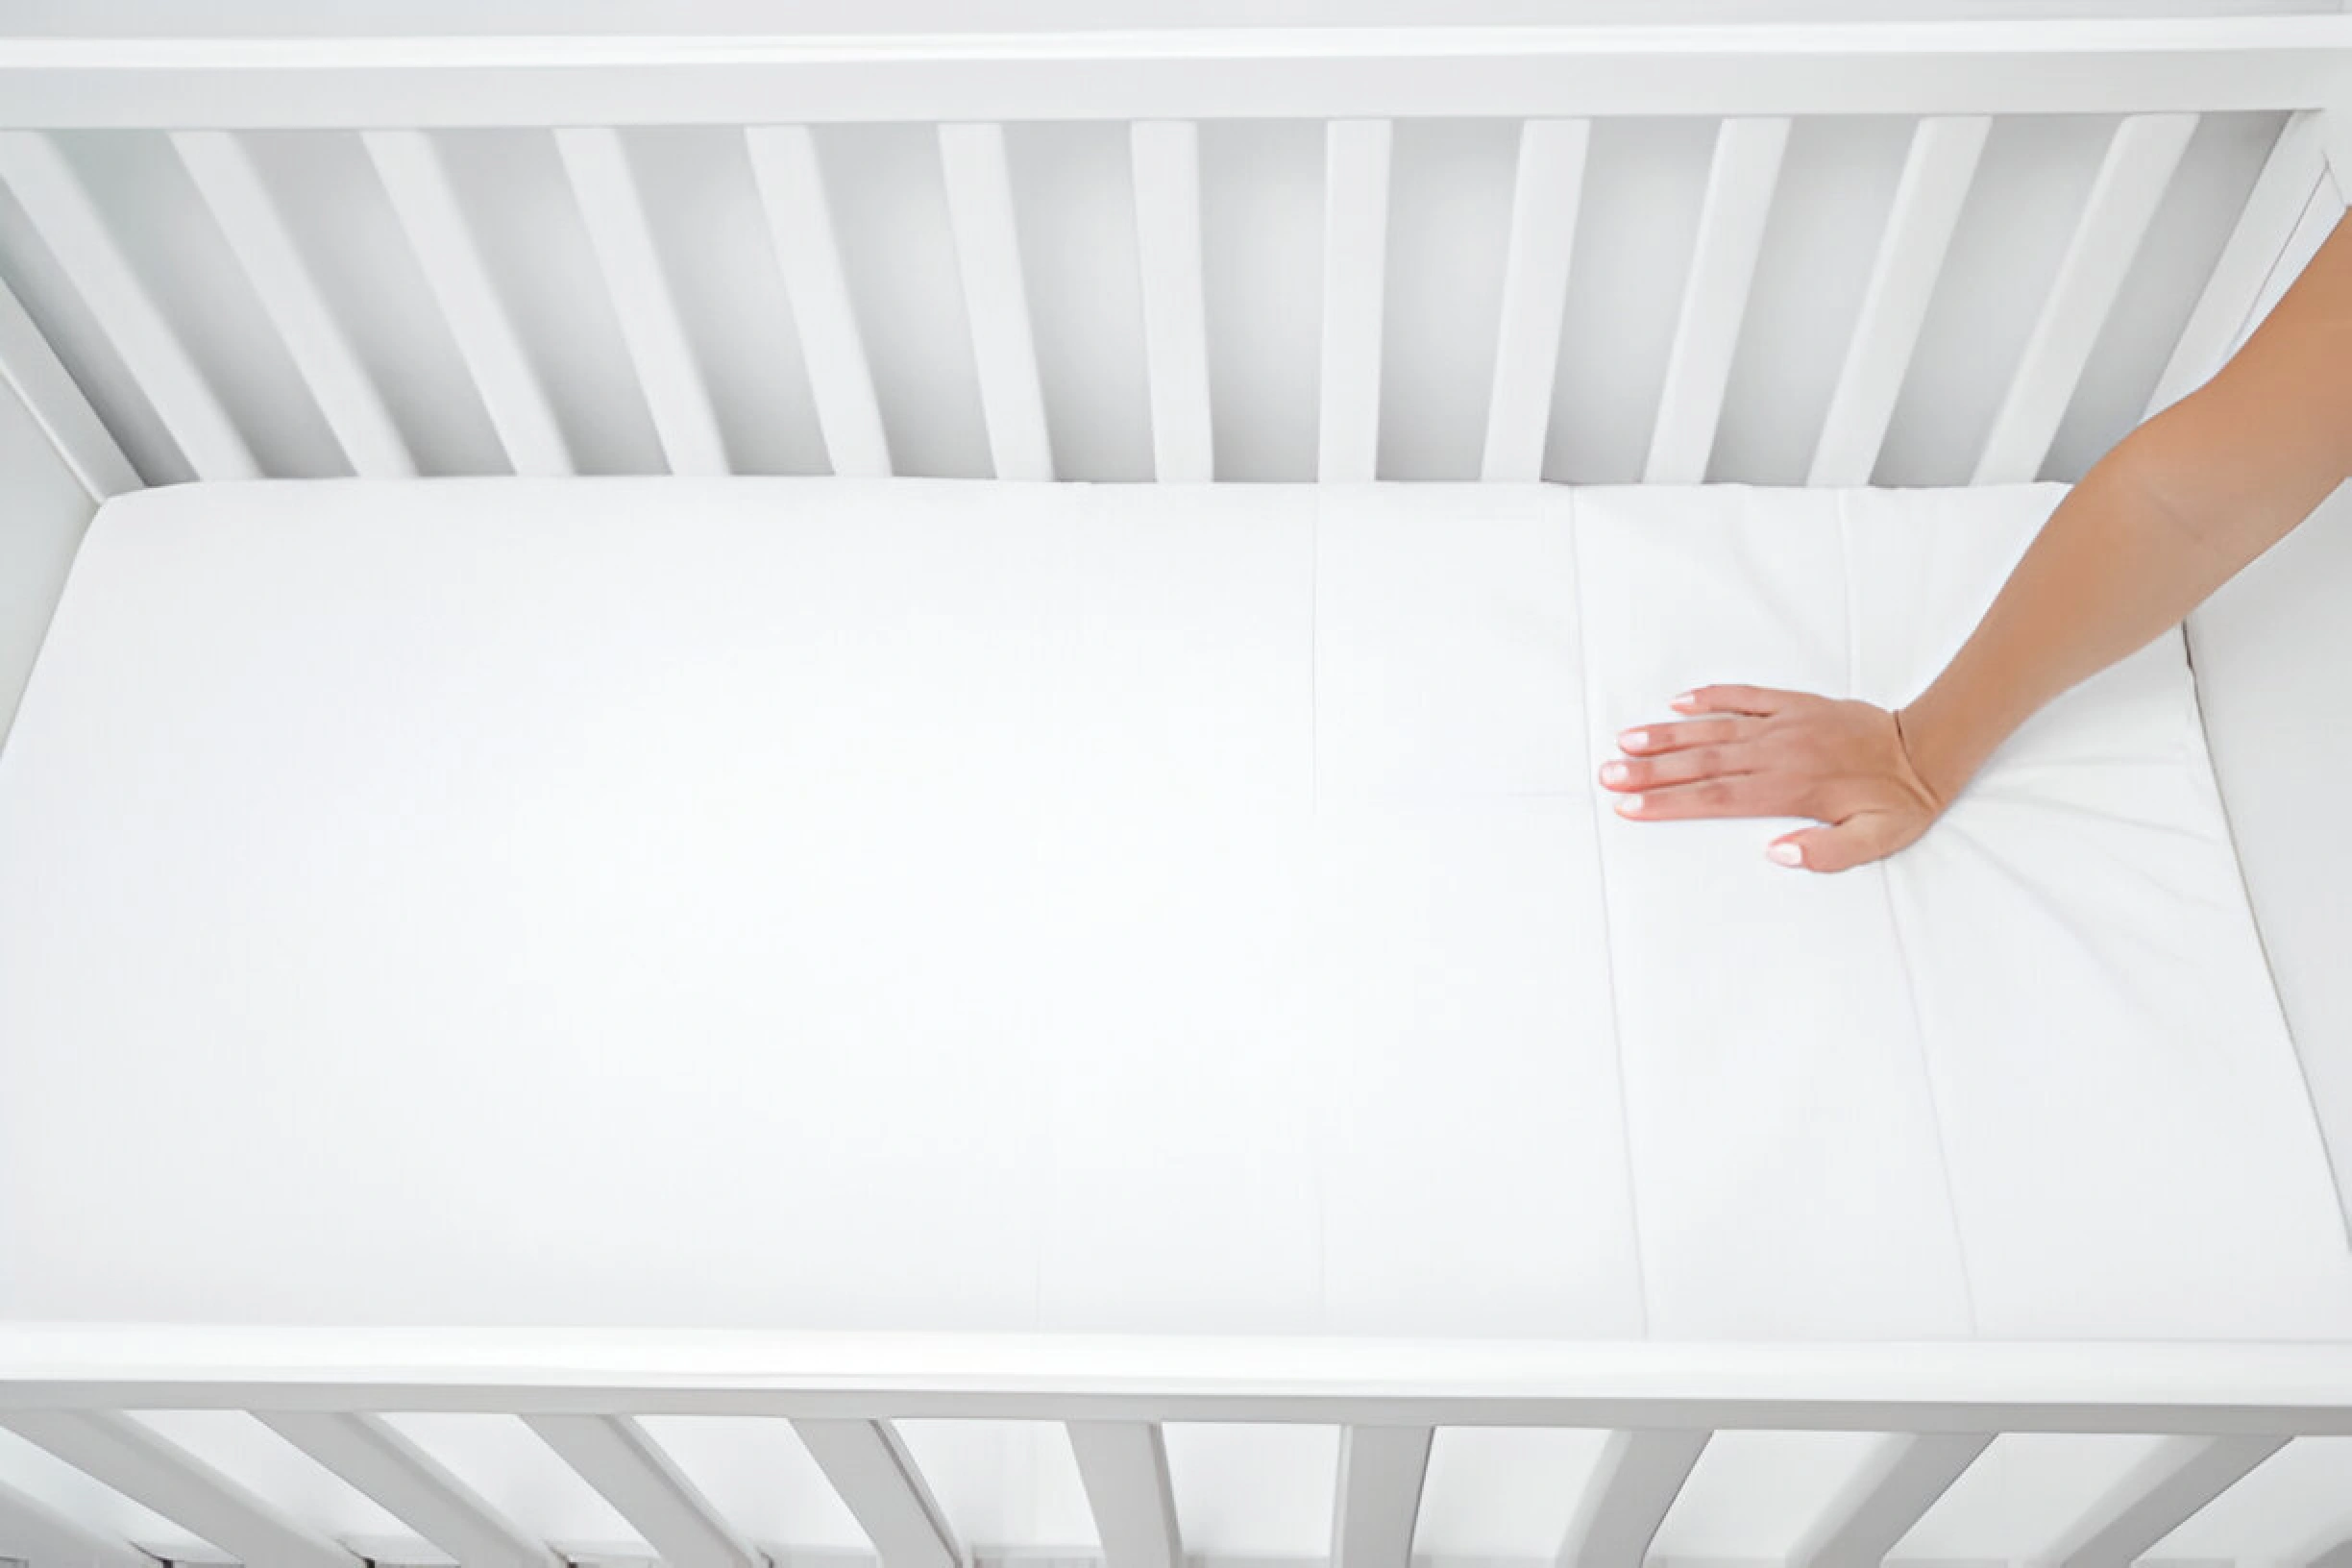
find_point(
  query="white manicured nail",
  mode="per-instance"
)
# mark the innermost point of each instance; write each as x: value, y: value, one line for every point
x: 1785, y: 854
x: 1630, y: 804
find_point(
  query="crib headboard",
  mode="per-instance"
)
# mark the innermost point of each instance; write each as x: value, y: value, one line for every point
x: 1903, y: 253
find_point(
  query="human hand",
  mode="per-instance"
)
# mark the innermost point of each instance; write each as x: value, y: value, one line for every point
x: 1781, y: 754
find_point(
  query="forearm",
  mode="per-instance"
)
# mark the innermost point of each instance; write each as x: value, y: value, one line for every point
x: 2115, y: 567
x: 2174, y: 511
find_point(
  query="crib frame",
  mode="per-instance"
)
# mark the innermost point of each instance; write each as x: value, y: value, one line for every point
x: 1957, y: 76
x: 2224, y: 1409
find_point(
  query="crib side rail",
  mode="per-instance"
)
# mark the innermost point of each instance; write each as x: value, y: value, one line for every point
x: 339, y: 390
x: 2222, y: 1410
x: 2145, y: 65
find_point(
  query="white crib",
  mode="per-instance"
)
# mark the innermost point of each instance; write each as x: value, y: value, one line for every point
x: 325, y: 277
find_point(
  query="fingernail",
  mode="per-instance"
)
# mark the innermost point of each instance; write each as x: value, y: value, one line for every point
x: 1614, y: 772
x: 1785, y: 854
x: 1630, y: 804
x: 1633, y: 738
x: 1684, y: 700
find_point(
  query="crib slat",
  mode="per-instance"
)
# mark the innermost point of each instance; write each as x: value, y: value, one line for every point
x: 614, y: 1454
x: 1355, y: 283
x: 249, y: 219
x: 1740, y: 183
x: 69, y: 223
x: 2320, y: 216
x: 988, y: 251
x: 614, y: 213
x: 1124, y: 1467
x: 1936, y: 177
x: 31, y: 368
x: 1741, y: 180
x: 32, y: 1531
x: 2160, y: 1494
x: 1545, y: 198
x: 879, y: 1482
x: 2131, y: 183
x: 1381, y: 1470
x: 1166, y: 159
x: 1902, y: 1482
x: 168, y: 1480
x: 412, y: 1486
x: 1639, y: 1476
x: 512, y: 391
x: 791, y: 186
x: 2296, y: 165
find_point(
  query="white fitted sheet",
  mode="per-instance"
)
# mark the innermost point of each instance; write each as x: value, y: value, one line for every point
x: 958, y: 905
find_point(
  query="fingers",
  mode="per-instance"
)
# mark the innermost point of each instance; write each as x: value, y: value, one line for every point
x: 1677, y: 767
x: 1857, y: 841
x: 1648, y: 739
x: 1756, y: 699
x: 1728, y: 795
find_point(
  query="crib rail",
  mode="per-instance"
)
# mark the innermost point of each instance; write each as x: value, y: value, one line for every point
x: 2223, y: 1412
x: 623, y: 374
x: 2010, y: 67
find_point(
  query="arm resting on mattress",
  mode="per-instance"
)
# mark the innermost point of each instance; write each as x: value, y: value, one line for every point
x: 2170, y: 515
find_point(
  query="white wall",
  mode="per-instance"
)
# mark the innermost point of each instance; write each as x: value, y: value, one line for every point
x: 44, y: 510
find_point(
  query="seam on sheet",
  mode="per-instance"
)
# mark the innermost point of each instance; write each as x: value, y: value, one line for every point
x: 1608, y: 917
x: 1903, y: 948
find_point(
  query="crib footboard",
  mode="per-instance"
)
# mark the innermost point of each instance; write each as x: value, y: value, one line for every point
x: 2204, y: 1451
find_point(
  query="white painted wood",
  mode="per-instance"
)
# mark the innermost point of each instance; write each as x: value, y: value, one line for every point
x: 232, y: 188
x: 418, y: 185
x: 597, y: 166
x: 1381, y: 1470
x: 33, y: 1533
x: 2293, y: 172
x: 2262, y: 1387
x: 62, y: 214
x: 2336, y: 131
x: 612, y: 1454
x: 1740, y: 183
x: 2131, y: 181
x: 1640, y: 1475
x: 2320, y: 216
x: 31, y: 369
x: 1900, y: 1485
x: 880, y: 1485
x: 1166, y: 155
x: 1123, y: 1466
x: 162, y: 1476
x: 412, y: 1486
x: 1944, y: 152
x: 1996, y: 65
x: 1545, y: 199
x: 996, y: 296
x: 792, y: 193
x: 1355, y: 283
x: 2159, y: 1495
x: 2336, y: 1556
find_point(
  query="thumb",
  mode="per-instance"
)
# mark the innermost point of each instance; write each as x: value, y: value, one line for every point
x: 1862, y: 838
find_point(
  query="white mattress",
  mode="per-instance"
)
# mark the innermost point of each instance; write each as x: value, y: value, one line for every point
x: 955, y: 905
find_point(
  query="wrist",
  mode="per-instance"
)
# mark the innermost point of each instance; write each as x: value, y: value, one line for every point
x: 1943, y: 754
